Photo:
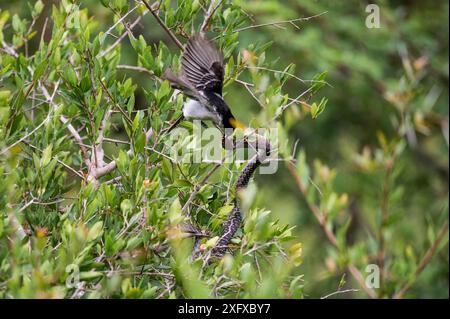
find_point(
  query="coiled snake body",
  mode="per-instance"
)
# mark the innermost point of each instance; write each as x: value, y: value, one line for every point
x: 234, y: 220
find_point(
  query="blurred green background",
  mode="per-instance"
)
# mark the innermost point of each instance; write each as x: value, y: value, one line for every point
x: 366, y: 70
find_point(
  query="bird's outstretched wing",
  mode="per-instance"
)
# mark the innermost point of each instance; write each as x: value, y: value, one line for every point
x: 201, y: 78
x: 181, y: 83
x: 202, y: 65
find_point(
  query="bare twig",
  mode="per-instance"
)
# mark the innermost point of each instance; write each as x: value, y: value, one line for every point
x: 9, y: 50
x: 282, y: 108
x: 3, y: 151
x: 163, y: 25
x: 111, y: 166
x: 108, y: 32
x: 64, y: 120
x: 98, y: 149
x: 99, y: 169
x: 44, y: 28
x: 247, y: 87
x: 279, y: 72
x: 338, y: 292
x: 209, y: 14
x: 77, y: 139
x: 121, y: 37
x: 112, y: 100
x: 198, y: 187
x: 138, y: 69
x: 277, y: 23
x: 101, y: 129
x: 71, y: 169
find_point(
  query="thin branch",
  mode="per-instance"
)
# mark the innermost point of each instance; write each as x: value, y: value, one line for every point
x: 49, y: 98
x: 247, y: 87
x: 138, y: 69
x: 120, y: 20
x: 20, y: 231
x: 279, y: 72
x: 98, y: 145
x: 163, y: 25
x: 277, y: 23
x: 3, y: 151
x: 31, y: 202
x: 198, y: 187
x: 9, y: 50
x: 122, y: 36
x: 283, y: 108
x: 71, y: 169
x: 209, y: 14
x: 111, y: 98
x: 64, y: 120
x: 424, y: 261
x: 101, y: 129
x: 339, y: 292
x: 98, y: 172
x: 116, y: 141
x: 77, y: 138
x: 44, y: 28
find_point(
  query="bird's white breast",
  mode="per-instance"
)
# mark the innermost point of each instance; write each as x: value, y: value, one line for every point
x: 194, y: 110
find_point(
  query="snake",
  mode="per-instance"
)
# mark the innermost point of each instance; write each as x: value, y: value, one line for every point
x: 234, y: 219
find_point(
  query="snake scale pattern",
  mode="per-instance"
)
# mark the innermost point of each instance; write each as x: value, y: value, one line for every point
x: 235, y: 217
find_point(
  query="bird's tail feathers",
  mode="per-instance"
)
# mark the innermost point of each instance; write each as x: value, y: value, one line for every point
x: 179, y: 83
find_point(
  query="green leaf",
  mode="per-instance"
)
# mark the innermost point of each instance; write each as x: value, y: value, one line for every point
x: 4, y: 17
x: 130, y: 104
x: 136, y: 121
x: 96, y: 46
x: 89, y: 275
x: 95, y: 231
x: 212, y: 242
x: 4, y: 96
x: 319, y: 82
x: 38, y: 7
x: 70, y: 75
x: 120, y: 4
x: 46, y: 155
x: 163, y: 91
x: 303, y: 168
x: 40, y: 69
x: 126, y: 206
x: 166, y: 168
x: 134, y: 242
x: 105, y: 3
x: 316, y: 110
x: 175, y: 212
x: 17, y: 24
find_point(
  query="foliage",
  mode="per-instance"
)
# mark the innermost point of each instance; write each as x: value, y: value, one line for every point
x: 93, y: 204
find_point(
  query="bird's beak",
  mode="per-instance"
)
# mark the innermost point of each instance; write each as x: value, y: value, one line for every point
x: 237, y: 124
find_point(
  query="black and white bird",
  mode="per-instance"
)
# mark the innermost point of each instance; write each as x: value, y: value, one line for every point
x: 201, y: 80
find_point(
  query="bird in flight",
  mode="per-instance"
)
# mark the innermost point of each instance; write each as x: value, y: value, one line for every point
x: 201, y: 80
